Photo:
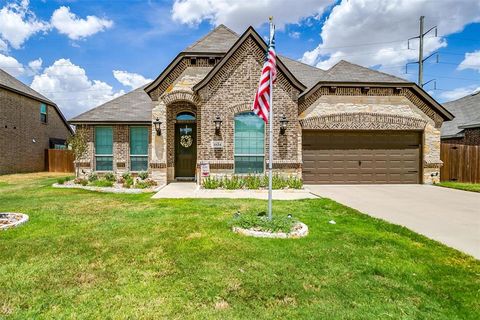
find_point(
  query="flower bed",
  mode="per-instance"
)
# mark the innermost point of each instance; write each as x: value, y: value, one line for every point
x: 109, y: 182
x: 258, y: 225
x: 11, y: 219
x: 252, y: 182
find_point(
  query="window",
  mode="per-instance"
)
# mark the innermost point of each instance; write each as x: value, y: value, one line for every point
x: 185, y: 116
x: 103, y: 148
x: 139, y: 148
x: 43, y: 113
x: 249, y: 143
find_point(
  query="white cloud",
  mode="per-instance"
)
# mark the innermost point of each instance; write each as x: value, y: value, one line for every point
x: 35, y: 65
x: 3, y: 46
x: 239, y: 14
x: 471, y: 61
x: 294, y: 34
x: 374, y: 32
x: 11, y: 65
x: 459, y: 92
x: 132, y: 80
x: 17, y: 24
x: 68, y: 85
x: 77, y: 28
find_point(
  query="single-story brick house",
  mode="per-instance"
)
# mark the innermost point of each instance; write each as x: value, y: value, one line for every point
x: 465, y: 128
x: 29, y: 124
x: 348, y: 124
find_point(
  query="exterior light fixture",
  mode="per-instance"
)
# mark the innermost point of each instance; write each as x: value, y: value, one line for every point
x: 157, y: 123
x: 283, y: 124
x: 218, y: 124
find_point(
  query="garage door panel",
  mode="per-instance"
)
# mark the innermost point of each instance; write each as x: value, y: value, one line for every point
x: 361, y: 157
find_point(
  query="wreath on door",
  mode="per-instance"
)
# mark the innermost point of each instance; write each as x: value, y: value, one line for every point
x: 186, y: 141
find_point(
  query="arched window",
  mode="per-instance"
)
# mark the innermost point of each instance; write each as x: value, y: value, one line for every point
x: 249, y: 142
x: 185, y: 116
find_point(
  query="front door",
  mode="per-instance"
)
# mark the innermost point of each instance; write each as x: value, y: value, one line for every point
x: 185, y: 150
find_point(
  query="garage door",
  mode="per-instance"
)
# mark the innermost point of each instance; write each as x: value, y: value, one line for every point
x: 332, y: 157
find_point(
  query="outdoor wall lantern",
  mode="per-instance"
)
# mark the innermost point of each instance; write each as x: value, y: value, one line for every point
x: 283, y: 124
x: 157, y: 123
x: 218, y: 124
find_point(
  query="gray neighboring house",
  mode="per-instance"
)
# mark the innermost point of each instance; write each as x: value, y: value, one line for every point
x: 348, y: 124
x: 29, y: 124
x: 465, y: 128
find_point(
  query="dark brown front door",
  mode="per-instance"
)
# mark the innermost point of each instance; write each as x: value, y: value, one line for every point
x: 351, y: 157
x: 185, y: 150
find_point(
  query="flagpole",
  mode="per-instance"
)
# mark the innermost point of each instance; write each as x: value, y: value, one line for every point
x: 270, y: 129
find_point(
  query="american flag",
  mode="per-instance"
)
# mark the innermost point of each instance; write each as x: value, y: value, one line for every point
x: 261, y: 105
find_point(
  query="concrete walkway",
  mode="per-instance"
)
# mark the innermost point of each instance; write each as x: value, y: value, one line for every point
x: 446, y: 215
x: 191, y: 190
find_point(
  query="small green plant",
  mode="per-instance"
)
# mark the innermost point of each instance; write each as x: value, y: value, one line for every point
x: 69, y: 178
x: 144, y: 184
x: 253, y: 182
x: 81, y: 181
x: 260, y: 222
x: 279, y: 182
x: 233, y: 183
x: 102, y: 183
x: 295, y: 183
x: 143, y: 175
x: 110, y: 176
x: 126, y: 175
x: 211, y: 183
x: 128, y: 183
x: 61, y: 180
x: 92, y: 177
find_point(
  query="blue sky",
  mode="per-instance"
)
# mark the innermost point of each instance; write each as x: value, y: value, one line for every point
x: 83, y: 53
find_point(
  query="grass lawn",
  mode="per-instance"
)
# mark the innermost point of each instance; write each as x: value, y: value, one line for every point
x: 474, y: 187
x: 105, y: 256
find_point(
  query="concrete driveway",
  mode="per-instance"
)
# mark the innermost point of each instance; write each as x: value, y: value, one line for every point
x: 446, y: 215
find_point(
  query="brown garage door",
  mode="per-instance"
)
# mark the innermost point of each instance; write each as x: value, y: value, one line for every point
x: 351, y: 157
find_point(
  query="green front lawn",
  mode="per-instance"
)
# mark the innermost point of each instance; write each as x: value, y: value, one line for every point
x: 106, y: 256
x: 474, y: 187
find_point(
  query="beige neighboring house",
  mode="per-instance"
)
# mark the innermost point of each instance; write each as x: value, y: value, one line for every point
x: 29, y: 124
x: 345, y: 125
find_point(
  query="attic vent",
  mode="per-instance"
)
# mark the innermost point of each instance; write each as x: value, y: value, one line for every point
x: 211, y: 61
x: 193, y: 61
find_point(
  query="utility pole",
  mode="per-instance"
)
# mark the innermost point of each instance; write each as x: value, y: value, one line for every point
x: 421, y: 60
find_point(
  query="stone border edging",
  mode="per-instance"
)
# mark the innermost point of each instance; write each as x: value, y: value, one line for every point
x: 300, y: 233
x: 24, y: 218
x: 107, y: 189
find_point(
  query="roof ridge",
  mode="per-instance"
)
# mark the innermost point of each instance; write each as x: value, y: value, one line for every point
x: 300, y: 62
x: 367, y: 68
x: 12, y: 78
x: 219, y: 27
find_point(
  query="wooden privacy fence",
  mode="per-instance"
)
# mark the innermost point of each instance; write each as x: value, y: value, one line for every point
x: 460, y: 163
x: 60, y: 160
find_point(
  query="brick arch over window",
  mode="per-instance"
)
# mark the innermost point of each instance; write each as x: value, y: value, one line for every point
x: 179, y: 96
x: 363, y: 121
x: 241, y: 107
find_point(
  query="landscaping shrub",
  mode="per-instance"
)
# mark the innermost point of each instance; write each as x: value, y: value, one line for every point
x: 233, y: 183
x: 69, y: 178
x: 81, y: 181
x: 143, y: 175
x: 92, y: 177
x: 295, y: 183
x: 260, y: 222
x: 109, y: 176
x: 278, y: 182
x: 128, y: 182
x: 61, y: 180
x: 102, y: 183
x: 252, y: 182
x: 211, y: 183
x: 126, y: 175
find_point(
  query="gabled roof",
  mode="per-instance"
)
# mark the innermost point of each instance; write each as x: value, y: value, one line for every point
x: 10, y: 83
x: 306, y: 73
x: 467, y: 115
x: 250, y: 32
x: 135, y: 106
x: 350, y: 72
x: 219, y: 40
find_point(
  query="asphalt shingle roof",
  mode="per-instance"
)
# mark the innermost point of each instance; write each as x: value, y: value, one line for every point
x: 307, y: 74
x: 219, y: 40
x: 135, y: 106
x: 467, y: 113
x: 10, y: 82
x: 345, y: 71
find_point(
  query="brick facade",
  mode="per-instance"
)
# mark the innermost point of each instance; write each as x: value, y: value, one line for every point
x: 23, y: 137
x: 471, y: 137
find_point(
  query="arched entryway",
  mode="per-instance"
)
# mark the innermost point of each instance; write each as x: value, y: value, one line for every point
x: 185, y: 145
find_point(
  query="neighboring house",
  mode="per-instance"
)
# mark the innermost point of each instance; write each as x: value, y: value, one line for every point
x: 29, y: 124
x: 348, y: 124
x: 465, y: 128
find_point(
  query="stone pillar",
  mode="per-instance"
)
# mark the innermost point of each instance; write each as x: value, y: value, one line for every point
x: 158, y: 146
x: 431, y: 155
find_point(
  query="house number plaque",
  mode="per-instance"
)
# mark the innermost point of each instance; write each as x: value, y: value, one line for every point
x: 217, y: 144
